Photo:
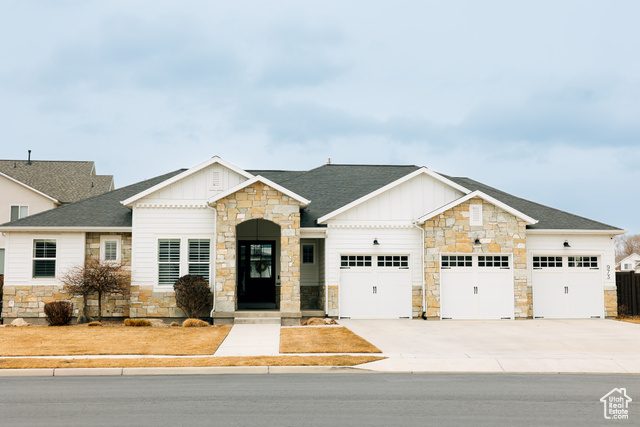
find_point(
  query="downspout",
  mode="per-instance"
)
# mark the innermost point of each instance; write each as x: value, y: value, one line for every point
x: 326, y: 275
x: 422, y: 268
x: 215, y: 257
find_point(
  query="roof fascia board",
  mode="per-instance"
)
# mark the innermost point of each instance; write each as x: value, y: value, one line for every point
x: 215, y: 159
x: 313, y: 233
x: 576, y: 231
x: 422, y: 170
x: 259, y: 178
x: 483, y: 196
x: 27, y: 229
x: 29, y: 187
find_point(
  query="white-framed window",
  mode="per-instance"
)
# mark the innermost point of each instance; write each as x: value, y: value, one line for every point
x: 547, y: 262
x: 452, y: 261
x: 355, y: 261
x: 626, y: 267
x: 1, y: 260
x: 199, y: 257
x: 168, y: 261
x: 475, y: 214
x: 110, y: 248
x: 637, y: 264
x: 583, y: 261
x: 401, y: 261
x: 44, y: 258
x: 308, y: 253
x: 500, y: 261
x: 18, y: 212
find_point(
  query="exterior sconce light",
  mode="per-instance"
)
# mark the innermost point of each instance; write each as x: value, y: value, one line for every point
x: 477, y: 241
x: 375, y: 242
x: 566, y: 244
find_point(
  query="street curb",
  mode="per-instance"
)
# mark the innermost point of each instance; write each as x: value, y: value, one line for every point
x: 45, y: 372
x: 205, y: 370
x: 76, y: 372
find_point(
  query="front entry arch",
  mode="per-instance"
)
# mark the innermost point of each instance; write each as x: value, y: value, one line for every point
x: 258, y: 265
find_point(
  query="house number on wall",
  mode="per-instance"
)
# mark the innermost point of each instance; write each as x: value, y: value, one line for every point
x: 608, y: 272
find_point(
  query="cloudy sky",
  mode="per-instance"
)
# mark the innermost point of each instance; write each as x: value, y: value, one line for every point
x: 538, y: 98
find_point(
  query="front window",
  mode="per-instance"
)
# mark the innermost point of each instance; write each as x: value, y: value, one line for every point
x: 308, y: 254
x: 18, y: 212
x: 199, y: 257
x: 44, y: 258
x: 168, y: 261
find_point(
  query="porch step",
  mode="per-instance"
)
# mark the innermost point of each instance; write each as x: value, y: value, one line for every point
x: 257, y: 320
x: 312, y: 313
x: 257, y: 314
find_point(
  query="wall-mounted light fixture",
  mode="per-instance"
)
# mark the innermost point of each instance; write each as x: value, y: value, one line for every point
x: 477, y: 241
x: 566, y: 244
x: 375, y: 241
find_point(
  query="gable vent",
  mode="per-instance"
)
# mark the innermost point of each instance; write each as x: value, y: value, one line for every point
x: 475, y: 214
x: 215, y: 179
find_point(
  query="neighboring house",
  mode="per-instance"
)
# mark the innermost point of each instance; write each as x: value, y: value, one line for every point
x: 355, y: 241
x: 30, y: 186
x: 628, y: 263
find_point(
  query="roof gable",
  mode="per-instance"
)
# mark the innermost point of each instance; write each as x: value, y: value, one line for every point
x: 265, y: 181
x: 22, y: 184
x: 184, y: 175
x: 390, y: 186
x: 483, y: 196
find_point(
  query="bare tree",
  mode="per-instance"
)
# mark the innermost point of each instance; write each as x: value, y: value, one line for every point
x: 627, y: 244
x: 94, y: 276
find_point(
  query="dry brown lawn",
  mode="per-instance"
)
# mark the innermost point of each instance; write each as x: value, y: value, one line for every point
x: 329, y: 339
x: 145, y: 362
x: 632, y: 319
x: 77, y: 340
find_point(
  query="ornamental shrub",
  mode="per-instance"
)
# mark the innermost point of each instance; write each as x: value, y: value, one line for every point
x: 194, y: 323
x: 58, y: 312
x: 192, y: 294
x: 137, y: 322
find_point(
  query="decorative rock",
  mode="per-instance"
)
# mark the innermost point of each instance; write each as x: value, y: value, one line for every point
x: 19, y: 322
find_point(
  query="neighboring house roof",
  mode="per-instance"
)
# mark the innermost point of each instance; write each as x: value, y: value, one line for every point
x: 634, y: 256
x: 100, y: 211
x: 328, y: 187
x: 65, y: 181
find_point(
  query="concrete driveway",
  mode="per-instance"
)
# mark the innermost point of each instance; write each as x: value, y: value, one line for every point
x: 590, y: 345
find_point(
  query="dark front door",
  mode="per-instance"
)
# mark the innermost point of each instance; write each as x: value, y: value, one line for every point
x: 256, y: 275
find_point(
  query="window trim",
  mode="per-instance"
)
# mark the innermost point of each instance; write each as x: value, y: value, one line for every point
x: 313, y: 253
x: 34, y: 258
x: 19, y: 212
x: 111, y: 238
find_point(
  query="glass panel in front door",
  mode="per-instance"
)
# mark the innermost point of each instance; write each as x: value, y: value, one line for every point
x: 260, y: 263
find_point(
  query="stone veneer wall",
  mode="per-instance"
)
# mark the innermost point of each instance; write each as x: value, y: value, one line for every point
x: 312, y: 297
x: 258, y: 201
x: 611, y: 302
x: 501, y: 232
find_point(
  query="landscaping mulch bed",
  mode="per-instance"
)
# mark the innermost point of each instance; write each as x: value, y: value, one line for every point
x: 145, y: 362
x: 323, y: 339
x: 630, y: 319
x: 110, y: 340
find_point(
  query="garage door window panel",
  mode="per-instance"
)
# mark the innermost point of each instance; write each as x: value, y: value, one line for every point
x: 453, y: 261
x: 583, y: 262
x: 540, y: 262
x: 347, y: 261
x: 401, y: 261
x: 497, y: 261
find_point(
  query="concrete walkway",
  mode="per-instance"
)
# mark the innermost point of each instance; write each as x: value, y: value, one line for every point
x: 251, y: 340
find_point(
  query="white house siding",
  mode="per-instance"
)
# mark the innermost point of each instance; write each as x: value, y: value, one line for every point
x: 598, y: 245
x: 405, y: 202
x: 151, y: 224
x: 197, y: 187
x: 24, y: 296
x: 343, y: 240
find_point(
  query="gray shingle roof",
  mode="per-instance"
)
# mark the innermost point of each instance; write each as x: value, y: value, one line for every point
x: 329, y: 187
x: 104, y: 210
x: 549, y: 218
x: 65, y: 181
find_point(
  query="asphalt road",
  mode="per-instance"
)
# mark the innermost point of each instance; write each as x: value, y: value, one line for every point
x: 314, y: 400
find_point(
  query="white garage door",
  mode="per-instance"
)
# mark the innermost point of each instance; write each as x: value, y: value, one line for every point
x: 476, y: 287
x: 375, y: 287
x: 566, y: 287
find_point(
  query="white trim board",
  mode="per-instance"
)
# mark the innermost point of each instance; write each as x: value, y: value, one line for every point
x: 215, y: 159
x: 575, y: 231
x: 422, y: 170
x: 263, y: 180
x: 484, y: 197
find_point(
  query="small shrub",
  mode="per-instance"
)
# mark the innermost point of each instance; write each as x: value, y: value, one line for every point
x: 194, y: 323
x: 175, y: 324
x: 623, y: 311
x: 58, y: 312
x: 94, y: 324
x: 192, y: 294
x: 136, y: 322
